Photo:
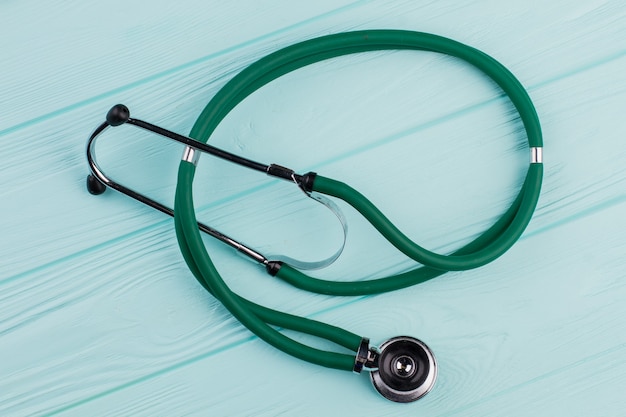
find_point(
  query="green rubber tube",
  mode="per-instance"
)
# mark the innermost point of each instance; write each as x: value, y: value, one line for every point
x: 296, y: 56
x: 394, y: 282
x: 487, y: 247
x: 187, y: 230
x: 326, y: 331
x: 458, y: 262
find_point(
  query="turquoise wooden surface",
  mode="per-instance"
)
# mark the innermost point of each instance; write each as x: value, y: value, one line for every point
x: 98, y: 313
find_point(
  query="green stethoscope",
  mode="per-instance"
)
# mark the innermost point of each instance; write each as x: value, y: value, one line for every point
x: 403, y: 368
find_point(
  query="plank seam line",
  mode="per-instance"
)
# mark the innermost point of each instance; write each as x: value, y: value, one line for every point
x: 176, y: 69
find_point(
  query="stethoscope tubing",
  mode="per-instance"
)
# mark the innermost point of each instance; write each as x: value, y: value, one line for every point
x: 490, y: 245
x: 199, y: 262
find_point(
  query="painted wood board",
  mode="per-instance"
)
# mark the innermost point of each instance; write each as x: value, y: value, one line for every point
x: 99, y: 315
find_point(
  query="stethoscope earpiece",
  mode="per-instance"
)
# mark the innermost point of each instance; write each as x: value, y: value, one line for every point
x: 94, y: 186
x: 118, y: 115
x: 406, y: 371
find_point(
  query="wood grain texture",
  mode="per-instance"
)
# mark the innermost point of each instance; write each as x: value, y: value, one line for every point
x: 98, y: 314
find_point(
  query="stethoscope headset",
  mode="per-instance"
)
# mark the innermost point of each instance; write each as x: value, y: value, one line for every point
x: 402, y: 369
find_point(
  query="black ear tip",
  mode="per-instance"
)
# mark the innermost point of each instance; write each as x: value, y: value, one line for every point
x: 118, y: 115
x: 94, y: 186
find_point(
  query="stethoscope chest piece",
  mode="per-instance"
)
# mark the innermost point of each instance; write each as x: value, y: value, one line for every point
x: 406, y: 371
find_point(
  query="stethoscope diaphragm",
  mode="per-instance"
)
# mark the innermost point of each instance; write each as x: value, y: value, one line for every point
x: 406, y: 371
